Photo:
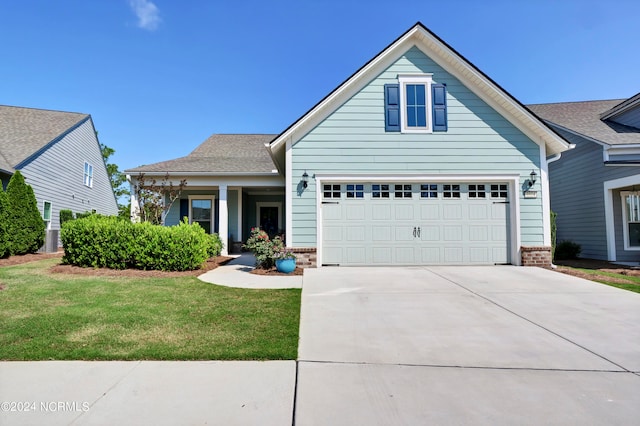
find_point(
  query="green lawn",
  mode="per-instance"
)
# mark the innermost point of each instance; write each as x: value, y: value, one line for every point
x: 75, y: 317
x: 624, y: 281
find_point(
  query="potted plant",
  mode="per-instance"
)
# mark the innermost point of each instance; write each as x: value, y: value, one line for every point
x: 285, y: 261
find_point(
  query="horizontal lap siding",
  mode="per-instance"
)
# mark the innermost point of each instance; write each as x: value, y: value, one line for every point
x: 577, y: 196
x: 353, y: 140
x: 57, y: 176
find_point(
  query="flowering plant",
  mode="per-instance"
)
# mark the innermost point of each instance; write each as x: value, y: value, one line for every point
x: 263, y: 248
x: 285, y: 254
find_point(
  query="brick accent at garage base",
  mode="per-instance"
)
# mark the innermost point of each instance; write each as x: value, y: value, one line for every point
x: 305, y: 256
x: 536, y: 256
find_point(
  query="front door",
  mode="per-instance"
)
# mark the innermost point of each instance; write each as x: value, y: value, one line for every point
x: 269, y: 220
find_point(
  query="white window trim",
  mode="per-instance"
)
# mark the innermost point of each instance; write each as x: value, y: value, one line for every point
x: 269, y: 204
x: 403, y: 80
x: 625, y: 220
x: 213, y: 209
x: 87, y: 174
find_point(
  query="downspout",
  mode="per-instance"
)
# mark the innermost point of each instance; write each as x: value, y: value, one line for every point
x: 550, y: 160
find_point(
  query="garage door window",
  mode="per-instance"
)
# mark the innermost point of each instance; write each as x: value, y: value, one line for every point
x: 331, y: 191
x: 355, y: 191
x: 477, y: 191
x: 402, y: 191
x: 451, y: 191
x: 499, y: 191
x: 379, y: 191
x: 428, y: 190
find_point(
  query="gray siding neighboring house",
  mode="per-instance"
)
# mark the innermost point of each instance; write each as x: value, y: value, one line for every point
x: 53, y: 150
x: 595, y: 187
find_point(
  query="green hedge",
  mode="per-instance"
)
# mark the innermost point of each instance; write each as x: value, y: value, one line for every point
x: 98, y: 241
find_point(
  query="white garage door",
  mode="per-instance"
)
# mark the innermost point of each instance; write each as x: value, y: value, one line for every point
x: 420, y: 223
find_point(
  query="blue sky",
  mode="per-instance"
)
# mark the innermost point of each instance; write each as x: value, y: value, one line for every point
x: 160, y: 76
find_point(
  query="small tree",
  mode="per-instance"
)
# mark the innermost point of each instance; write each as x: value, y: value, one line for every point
x: 155, y: 199
x: 26, y: 227
x: 4, y: 225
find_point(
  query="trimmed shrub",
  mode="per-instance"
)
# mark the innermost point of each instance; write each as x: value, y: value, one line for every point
x: 26, y: 227
x: 215, y: 245
x: 567, y: 250
x: 4, y: 225
x: 65, y: 216
x: 110, y: 242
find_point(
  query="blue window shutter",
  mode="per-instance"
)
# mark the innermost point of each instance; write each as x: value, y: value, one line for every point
x: 184, y: 209
x: 392, y: 107
x: 439, y: 92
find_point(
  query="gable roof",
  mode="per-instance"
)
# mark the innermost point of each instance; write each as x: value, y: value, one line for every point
x: 220, y: 154
x: 622, y: 107
x: 584, y: 118
x: 452, y: 62
x: 25, y: 132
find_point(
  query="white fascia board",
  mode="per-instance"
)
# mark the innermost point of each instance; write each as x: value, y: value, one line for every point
x: 244, y: 181
x: 344, y: 92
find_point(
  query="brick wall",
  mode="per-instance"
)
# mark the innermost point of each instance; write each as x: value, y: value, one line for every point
x: 536, y: 256
x: 305, y: 257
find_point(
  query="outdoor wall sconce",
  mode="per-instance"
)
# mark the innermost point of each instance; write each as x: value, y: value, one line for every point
x: 305, y: 180
x: 532, y: 178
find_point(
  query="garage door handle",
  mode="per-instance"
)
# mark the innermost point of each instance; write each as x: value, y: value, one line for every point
x: 330, y: 202
x: 414, y: 232
x: 418, y: 232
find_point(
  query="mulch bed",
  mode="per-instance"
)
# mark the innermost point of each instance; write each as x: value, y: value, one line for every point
x: 600, y: 265
x: 212, y: 263
x: 274, y: 271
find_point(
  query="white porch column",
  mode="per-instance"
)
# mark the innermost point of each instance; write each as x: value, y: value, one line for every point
x: 134, y: 213
x: 223, y: 219
x: 240, y: 214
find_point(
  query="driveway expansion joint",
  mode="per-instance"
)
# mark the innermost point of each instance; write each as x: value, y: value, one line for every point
x: 468, y: 367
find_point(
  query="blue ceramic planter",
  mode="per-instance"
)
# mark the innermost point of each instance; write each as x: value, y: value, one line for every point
x: 286, y: 265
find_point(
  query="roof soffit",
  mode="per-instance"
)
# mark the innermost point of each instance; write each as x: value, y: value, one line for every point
x: 451, y: 62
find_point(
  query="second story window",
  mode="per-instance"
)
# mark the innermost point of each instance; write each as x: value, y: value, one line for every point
x: 88, y: 175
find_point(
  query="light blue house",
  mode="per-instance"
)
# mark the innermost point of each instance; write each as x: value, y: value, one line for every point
x: 59, y: 155
x: 417, y: 158
x: 595, y: 188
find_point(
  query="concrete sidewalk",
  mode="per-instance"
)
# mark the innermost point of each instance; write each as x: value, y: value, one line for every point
x: 147, y: 393
x: 237, y: 274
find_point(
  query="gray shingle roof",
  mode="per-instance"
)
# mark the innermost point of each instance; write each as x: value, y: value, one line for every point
x: 220, y: 154
x: 584, y: 118
x: 24, y: 131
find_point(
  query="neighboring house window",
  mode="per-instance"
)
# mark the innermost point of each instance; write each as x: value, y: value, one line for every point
x: 415, y: 105
x: 88, y: 175
x: 631, y: 218
x: 46, y: 214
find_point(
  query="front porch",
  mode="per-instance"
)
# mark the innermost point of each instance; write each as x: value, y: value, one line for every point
x: 231, y: 211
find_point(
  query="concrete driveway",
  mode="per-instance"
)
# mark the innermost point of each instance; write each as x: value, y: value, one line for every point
x: 466, y: 345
